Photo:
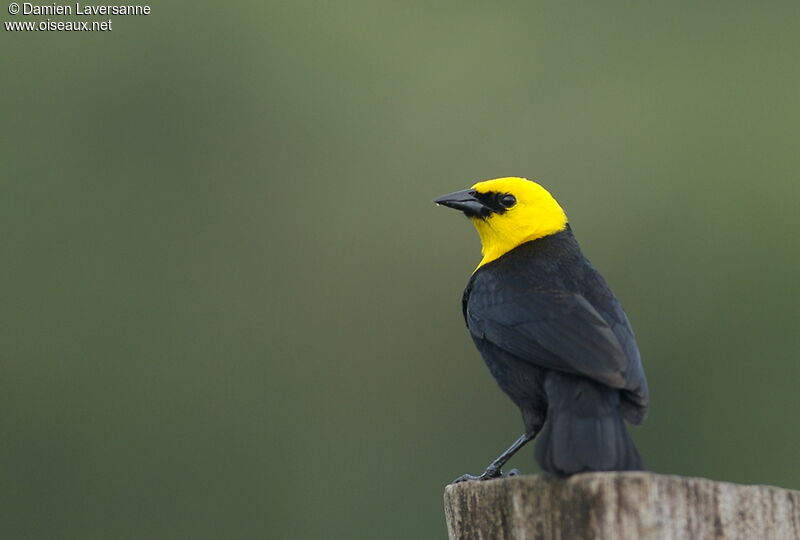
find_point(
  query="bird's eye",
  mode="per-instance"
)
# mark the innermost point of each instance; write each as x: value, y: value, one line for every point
x: 507, y: 200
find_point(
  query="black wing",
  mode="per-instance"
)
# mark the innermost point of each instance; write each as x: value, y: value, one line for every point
x: 559, y: 330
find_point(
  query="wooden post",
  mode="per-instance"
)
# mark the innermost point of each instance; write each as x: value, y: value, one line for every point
x: 619, y: 505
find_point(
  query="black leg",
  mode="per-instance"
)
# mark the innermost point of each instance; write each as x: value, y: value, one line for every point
x: 493, y: 470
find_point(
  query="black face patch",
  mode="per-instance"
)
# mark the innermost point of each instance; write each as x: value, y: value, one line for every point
x: 493, y: 203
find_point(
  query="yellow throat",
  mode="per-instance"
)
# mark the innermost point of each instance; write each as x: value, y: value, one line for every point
x: 536, y: 214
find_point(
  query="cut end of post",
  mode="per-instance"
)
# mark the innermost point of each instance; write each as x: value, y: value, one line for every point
x: 615, y: 505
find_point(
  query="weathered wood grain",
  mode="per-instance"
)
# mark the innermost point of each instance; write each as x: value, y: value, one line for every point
x: 617, y: 505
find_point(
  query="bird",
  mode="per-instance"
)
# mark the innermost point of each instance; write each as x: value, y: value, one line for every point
x: 551, y: 332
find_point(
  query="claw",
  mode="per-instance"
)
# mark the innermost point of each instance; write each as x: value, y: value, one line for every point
x: 488, y: 474
x: 465, y: 478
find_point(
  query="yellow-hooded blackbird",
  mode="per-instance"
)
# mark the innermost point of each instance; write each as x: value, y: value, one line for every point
x: 551, y: 332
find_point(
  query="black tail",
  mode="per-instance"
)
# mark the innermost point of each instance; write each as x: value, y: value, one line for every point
x: 584, y: 430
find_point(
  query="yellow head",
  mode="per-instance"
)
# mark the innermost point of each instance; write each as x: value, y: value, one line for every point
x: 507, y: 212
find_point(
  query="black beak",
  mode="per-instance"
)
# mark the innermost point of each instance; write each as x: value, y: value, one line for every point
x: 465, y: 201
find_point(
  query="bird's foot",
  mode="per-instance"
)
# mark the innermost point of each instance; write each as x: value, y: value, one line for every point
x: 470, y: 478
x: 488, y: 474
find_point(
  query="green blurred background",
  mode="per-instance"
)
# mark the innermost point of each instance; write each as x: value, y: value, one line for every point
x: 230, y: 310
